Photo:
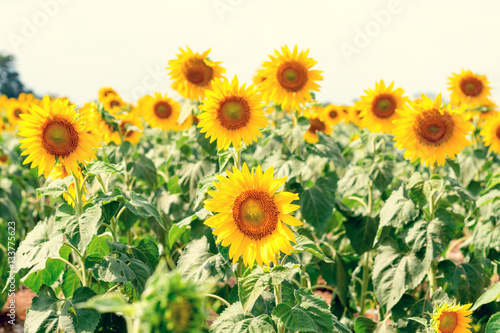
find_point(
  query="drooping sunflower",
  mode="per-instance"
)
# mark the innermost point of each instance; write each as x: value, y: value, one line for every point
x: 318, y: 122
x: 289, y: 78
x: 105, y: 93
x: 55, y: 133
x: 159, y: 111
x: 491, y: 133
x: 232, y: 114
x: 378, y: 107
x: 469, y: 89
x: 251, y: 216
x: 131, y: 135
x: 450, y: 318
x: 60, y: 172
x: 193, y: 73
x: 113, y: 104
x: 333, y: 114
x: 430, y: 131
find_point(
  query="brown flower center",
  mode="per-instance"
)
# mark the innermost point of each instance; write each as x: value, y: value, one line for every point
x: 434, y: 128
x: 198, y: 72
x: 17, y: 113
x: 109, y: 92
x: 384, y: 106
x: 114, y: 103
x: 124, y: 130
x: 448, y: 322
x: 292, y: 76
x: 3, y: 158
x: 59, y: 137
x: 471, y: 86
x: 255, y: 213
x: 316, y: 125
x: 498, y: 132
x: 333, y: 114
x: 233, y: 113
x: 162, y: 110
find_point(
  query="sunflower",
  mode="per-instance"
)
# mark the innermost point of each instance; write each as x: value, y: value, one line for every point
x: 60, y: 172
x: 378, y: 107
x: 451, y: 318
x: 193, y: 73
x: 54, y: 132
x: 186, y: 124
x: 431, y: 131
x: 131, y: 135
x: 105, y: 93
x: 259, y: 77
x: 355, y: 115
x: 232, y: 114
x: 289, y: 78
x: 4, y: 158
x: 491, y: 133
x: 469, y: 89
x: 251, y: 216
x: 159, y: 111
x: 318, y: 122
x: 334, y: 114
x: 113, y: 104
x: 14, y: 110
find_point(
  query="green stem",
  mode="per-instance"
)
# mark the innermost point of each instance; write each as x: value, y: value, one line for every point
x: 432, y: 277
x: 279, y: 300
x: 103, y: 186
x: 366, y: 281
x: 130, y: 237
x: 77, y: 271
x: 226, y: 303
x: 78, y: 201
x: 237, y: 159
x: 239, y: 270
x: 370, y: 198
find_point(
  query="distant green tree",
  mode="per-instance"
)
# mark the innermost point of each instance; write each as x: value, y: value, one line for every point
x: 10, y: 84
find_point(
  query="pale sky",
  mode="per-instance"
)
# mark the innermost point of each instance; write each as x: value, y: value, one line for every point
x: 74, y: 47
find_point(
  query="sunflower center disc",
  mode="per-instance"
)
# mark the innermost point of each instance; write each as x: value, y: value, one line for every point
x: 114, y: 103
x: 255, y: 213
x: 59, y: 137
x: 434, y: 128
x: 124, y: 130
x: 292, y: 76
x: 498, y: 132
x: 384, y: 106
x: 471, y: 86
x: 234, y: 113
x: 448, y: 322
x: 18, y: 112
x: 197, y: 72
x: 316, y: 125
x: 3, y: 158
x: 108, y: 92
x: 333, y: 114
x: 162, y: 110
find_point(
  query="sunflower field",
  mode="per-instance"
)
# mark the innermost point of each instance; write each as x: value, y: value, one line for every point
x: 253, y: 208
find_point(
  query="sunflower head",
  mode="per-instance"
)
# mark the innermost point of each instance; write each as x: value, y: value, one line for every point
x: 130, y: 127
x: 105, y: 93
x: 318, y: 122
x: 335, y: 114
x: 431, y: 132
x: 55, y: 132
x: 60, y: 172
x: 378, y: 107
x: 159, y: 111
x: 4, y: 158
x: 355, y: 114
x: 451, y: 318
x: 491, y: 132
x: 289, y: 78
x: 14, y: 110
x: 259, y: 77
x: 193, y: 73
x: 469, y: 89
x: 114, y: 104
x: 232, y: 114
x: 250, y: 216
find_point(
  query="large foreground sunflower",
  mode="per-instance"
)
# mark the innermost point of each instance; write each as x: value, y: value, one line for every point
x: 378, y: 107
x: 491, y: 132
x: 469, y: 89
x: 451, y: 318
x: 251, y: 216
x: 289, y: 78
x: 232, y: 114
x: 55, y: 133
x: 430, y: 131
x: 193, y: 73
x: 159, y: 111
